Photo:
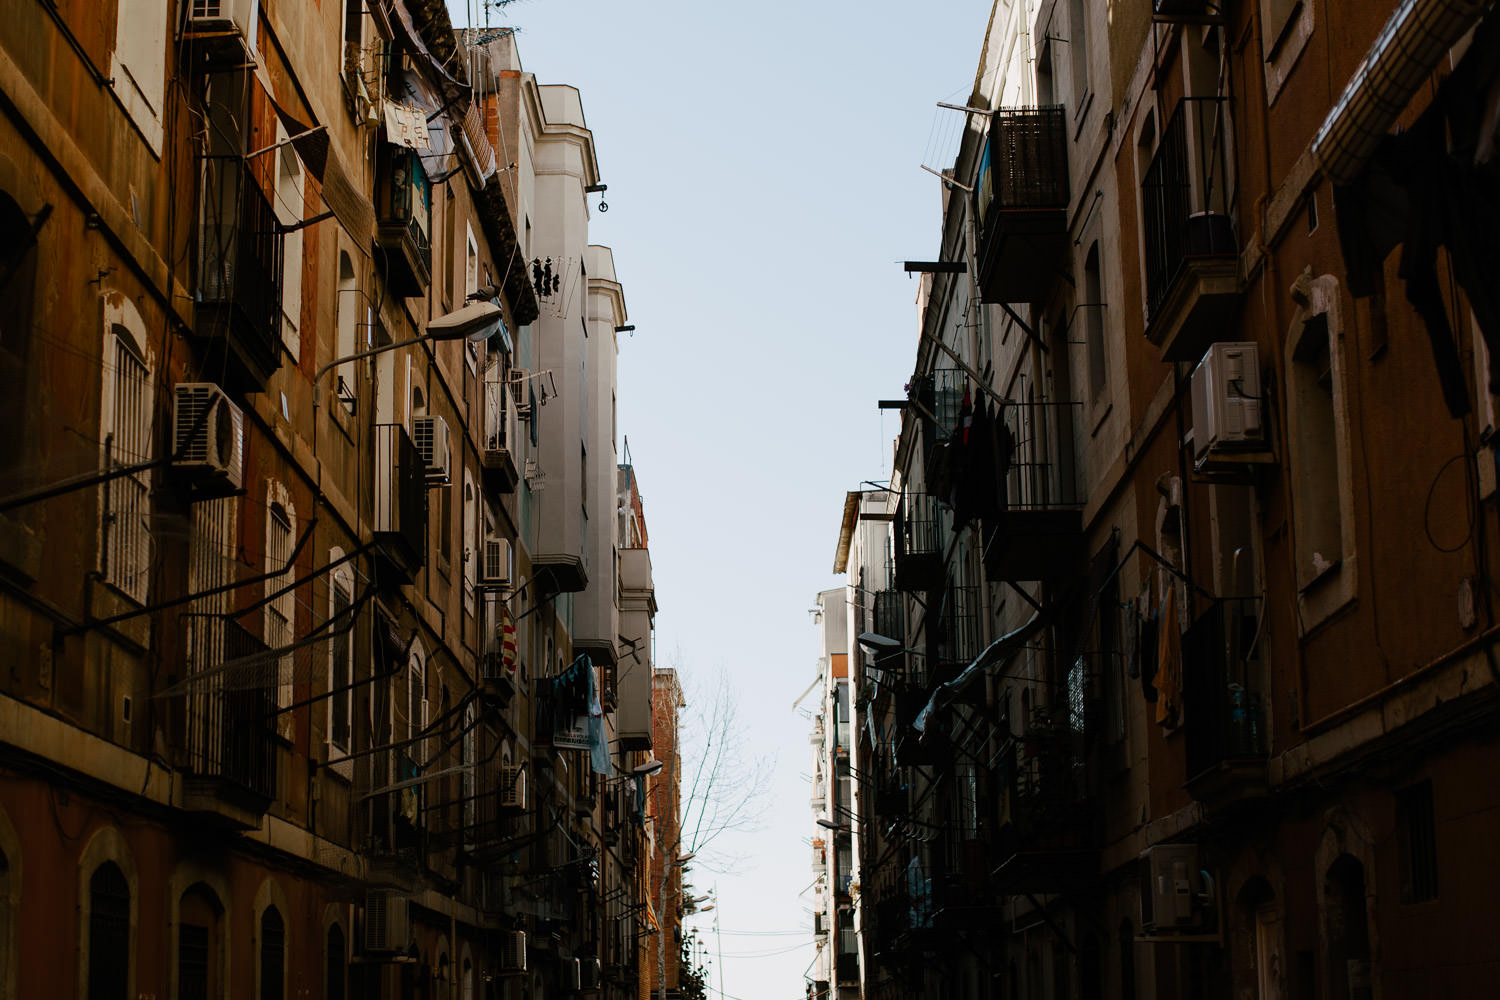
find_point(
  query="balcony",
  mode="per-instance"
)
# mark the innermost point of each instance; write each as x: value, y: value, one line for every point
x: 502, y: 439
x: 403, y: 207
x: 919, y: 553
x: 1037, y: 533
x: 890, y: 615
x: 239, y: 275
x: 1046, y: 839
x: 1191, y: 254
x: 1021, y: 202
x: 959, y: 638
x: 1223, y: 725
x: 231, y: 738
x: 400, y: 504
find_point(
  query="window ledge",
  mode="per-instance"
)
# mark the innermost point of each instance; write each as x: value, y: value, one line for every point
x: 1326, y: 595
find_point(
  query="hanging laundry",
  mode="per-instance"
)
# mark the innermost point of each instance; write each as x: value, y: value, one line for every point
x: 406, y: 125
x: 1168, y: 661
x: 598, y: 739
x: 1436, y: 185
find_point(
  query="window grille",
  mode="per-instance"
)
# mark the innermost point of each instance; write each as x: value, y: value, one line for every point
x: 192, y: 962
x: 1416, y: 831
x: 341, y: 673
x: 279, y: 612
x: 126, y: 542
x: 109, y: 933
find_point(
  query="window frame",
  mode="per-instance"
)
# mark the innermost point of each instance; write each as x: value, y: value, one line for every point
x: 124, y: 341
x: 1321, y: 592
x: 280, y: 631
x: 341, y: 581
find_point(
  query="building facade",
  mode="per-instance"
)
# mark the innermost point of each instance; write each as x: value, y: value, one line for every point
x: 309, y: 593
x: 1169, y: 641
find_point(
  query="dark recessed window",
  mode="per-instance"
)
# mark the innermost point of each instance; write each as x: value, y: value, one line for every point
x: 1416, y: 833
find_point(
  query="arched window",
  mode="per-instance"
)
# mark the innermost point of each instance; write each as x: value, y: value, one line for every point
x: 340, y: 666
x: 200, y: 947
x: 346, y: 336
x: 290, y: 202
x: 468, y: 750
x: 272, y: 955
x: 281, y: 521
x: 467, y: 986
x: 334, y: 964
x: 125, y: 413
x: 18, y: 292
x: 1346, y: 930
x: 471, y: 549
x: 109, y: 933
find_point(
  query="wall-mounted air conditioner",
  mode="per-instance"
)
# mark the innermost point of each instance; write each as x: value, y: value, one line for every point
x: 1169, y: 875
x: 588, y: 973
x: 569, y: 974
x: 495, y: 562
x: 513, y: 951
x: 386, y: 921
x: 208, y: 435
x: 430, y: 434
x: 205, y: 16
x: 512, y: 790
x: 1226, y: 403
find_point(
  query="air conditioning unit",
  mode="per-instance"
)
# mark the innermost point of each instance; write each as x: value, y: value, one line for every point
x: 208, y: 434
x: 569, y: 974
x: 512, y: 789
x: 1169, y: 873
x: 223, y: 15
x: 588, y: 973
x: 1226, y: 403
x: 495, y: 562
x: 430, y: 435
x: 513, y: 951
x: 386, y: 921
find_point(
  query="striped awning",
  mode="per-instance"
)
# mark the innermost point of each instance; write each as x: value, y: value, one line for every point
x: 1404, y: 54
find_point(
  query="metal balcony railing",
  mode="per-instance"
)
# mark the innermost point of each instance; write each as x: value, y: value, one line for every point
x: 1223, y: 720
x: 1185, y: 195
x: 240, y: 261
x: 1027, y: 161
x: 232, y: 734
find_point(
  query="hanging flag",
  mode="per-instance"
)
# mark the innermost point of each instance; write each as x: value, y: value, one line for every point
x: 507, y: 637
x: 406, y: 125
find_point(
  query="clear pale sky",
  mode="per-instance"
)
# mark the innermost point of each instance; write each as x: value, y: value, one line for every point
x: 762, y: 162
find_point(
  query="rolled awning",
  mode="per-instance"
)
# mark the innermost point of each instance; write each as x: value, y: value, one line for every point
x: 1404, y: 54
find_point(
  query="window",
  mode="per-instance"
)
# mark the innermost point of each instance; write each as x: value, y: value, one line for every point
x: 1287, y: 26
x: 199, y: 958
x: 138, y: 64
x: 9, y: 904
x: 346, y: 335
x: 281, y: 608
x: 1093, y: 325
x: 334, y: 965
x: 341, y: 667
x: 125, y: 439
x: 471, y: 546
x: 416, y: 704
x: 18, y: 291
x: 1416, y: 833
x: 1323, y: 503
x: 109, y: 933
x: 1078, y: 49
x: 272, y: 955
x: 469, y: 751
x: 450, y: 216
x: 290, y: 203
